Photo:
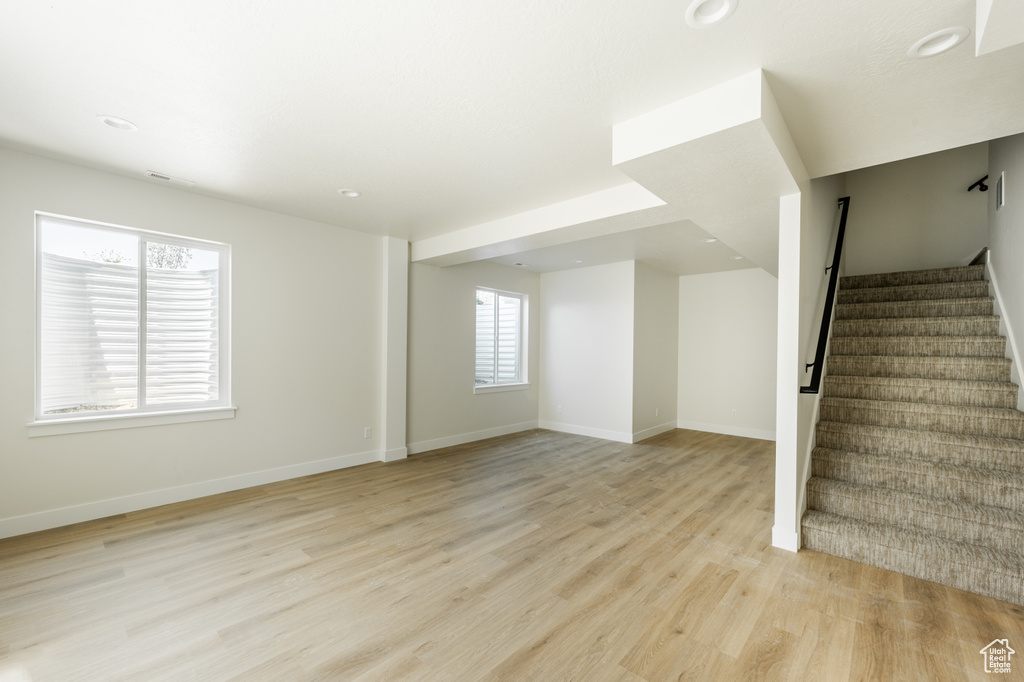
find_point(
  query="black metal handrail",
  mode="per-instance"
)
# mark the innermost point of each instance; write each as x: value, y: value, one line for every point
x: 980, y: 184
x: 830, y: 297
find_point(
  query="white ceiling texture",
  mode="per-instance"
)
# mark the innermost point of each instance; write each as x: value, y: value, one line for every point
x: 466, y: 124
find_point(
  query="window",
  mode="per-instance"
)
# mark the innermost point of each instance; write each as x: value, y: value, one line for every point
x: 129, y: 322
x: 500, y: 325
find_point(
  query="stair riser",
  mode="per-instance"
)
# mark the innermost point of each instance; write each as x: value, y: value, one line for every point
x: 919, y: 292
x: 937, y: 447
x: 876, y: 506
x: 959, y: 369
x: 917, y: 561
x: 944, y: 308
x: 965, y: 486
x: 992, y: 347
x: 990, y: 427
x: 919, y: 326
x: 895, y: 279
x: 968, y: 396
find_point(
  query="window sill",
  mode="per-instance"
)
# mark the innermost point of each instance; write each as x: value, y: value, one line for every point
x: 499, y: 388
x: 106, y: 422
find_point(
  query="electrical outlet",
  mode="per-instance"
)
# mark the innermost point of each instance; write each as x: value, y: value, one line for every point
x: 368, y: 432
x: 734, y: 413
x: 558, y: 409
x: 657, y: 412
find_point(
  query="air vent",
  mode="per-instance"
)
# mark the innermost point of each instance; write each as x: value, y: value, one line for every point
x: 169, y: 179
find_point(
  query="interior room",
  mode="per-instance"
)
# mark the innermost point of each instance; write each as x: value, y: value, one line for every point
x: 462, y: 341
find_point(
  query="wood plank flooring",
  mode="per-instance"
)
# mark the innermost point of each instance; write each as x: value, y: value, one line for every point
x: 538, y: 556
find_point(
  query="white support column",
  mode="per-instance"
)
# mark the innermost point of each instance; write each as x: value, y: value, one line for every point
x: 394, y: 348
x: 786, y: 531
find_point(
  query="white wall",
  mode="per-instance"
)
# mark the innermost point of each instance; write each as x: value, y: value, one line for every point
x: 916, y: 213
x: 727, y: 351
x: 1006, y: 244
x: 655, y: 351
x: 306, y: 329
x: 817, y: 248
x: 806, y: 226
x: 443, y: 410
x: 586, y: 356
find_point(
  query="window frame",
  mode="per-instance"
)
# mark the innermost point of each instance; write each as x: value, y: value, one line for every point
x: 143, y: 415
x: 522, y: 381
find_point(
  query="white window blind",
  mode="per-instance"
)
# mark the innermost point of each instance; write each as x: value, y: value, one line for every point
x: 499, y: 325
x: 129, y: 321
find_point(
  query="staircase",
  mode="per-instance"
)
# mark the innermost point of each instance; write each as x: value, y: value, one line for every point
x: 919, y: 464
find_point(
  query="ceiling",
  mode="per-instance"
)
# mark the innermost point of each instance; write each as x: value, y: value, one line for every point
x: 679, y: 247
x: 447, y: 114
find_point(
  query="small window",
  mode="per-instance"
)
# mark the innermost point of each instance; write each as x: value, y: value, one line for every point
x: 500, y: 324
x: 129, y: 321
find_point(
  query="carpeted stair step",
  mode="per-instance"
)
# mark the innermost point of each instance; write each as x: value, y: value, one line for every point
x: 984, y: 325
x: 931, y: 391
x: 903, y: 367
x: 977, y: 421
x: 967, y: 567
x: 950, y: 448
x: 948, y: 307
x: 985, y: 525
x: 968, y: 484
x: 914, y: 292
x: 921, y: 346
x: 896, y: 279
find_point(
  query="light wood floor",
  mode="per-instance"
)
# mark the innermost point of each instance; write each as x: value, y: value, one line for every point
x: 539, y: 556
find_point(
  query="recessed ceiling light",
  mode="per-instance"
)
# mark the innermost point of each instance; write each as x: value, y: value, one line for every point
x: 737, y: 257
x: 704, y: 13
x: 350, y: 193
x: 119, y: 123
x: 938, y: 42
x: 521, y: 265
x: 575, y: 261
x: 709, y: 240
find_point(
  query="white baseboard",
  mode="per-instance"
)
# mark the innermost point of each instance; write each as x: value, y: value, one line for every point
x: 54, y: 518
x: 394, y: 454
x: 653, y: 431
x: 726, y: 429
x: 783, y: 538
x: 459, y: 439
x: 1006, y: 330
x: 618, y: 436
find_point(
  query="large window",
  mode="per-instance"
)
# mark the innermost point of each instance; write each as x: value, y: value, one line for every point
x: 500, y: 325
x: 129, y: 322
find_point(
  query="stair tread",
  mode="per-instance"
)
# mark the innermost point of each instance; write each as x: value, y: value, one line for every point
x: 918, y: 381
x: 914, y: 292
x: 958, y: 440
x: 911, y: 463
x: 920, y: 302
x: 983, y: 570
x: 921, y: 390
x: 994, y: 369
x: 954, y: 307
x: 964, y: 273
x: 913, y: 326
x: 934, y: 358
x: 983, y: 514
x: 1001, y: 412
x: 920, y: 346
x: 1006, y: 560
